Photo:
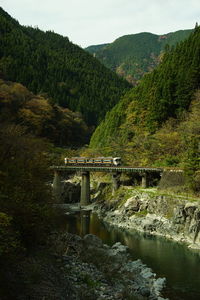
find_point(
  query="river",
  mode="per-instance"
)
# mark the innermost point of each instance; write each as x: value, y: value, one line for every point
x: 172, y: 260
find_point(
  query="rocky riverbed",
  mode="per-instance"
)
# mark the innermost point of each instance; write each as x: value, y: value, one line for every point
x: 75, y: 268
x: 96, y: 271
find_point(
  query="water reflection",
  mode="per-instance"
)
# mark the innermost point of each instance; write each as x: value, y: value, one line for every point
x: 84, y: 222
x: 180, y: 266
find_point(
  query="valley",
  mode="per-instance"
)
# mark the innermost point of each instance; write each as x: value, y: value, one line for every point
x: 58, y: 101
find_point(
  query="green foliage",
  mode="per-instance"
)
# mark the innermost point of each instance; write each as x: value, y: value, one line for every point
x: 46, y: 62
x: 131, y: 56
x: 141, y: 213
x: 157, y: 122
x: 164, y: 93
x: 192, y: 163
x: 89, y: 281
x: 9, y: 239
x: 95, y: 48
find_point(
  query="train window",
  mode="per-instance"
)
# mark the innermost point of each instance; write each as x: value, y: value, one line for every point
x: 97, y: 160
x: 81, y: 160
x: 89, y: 160
x: 107, y: 161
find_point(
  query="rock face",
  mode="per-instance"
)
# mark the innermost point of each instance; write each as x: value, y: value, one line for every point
x: 167, y: 215
x: 71, y: 192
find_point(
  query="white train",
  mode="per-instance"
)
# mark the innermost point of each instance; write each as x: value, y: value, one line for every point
x: 97, y: 161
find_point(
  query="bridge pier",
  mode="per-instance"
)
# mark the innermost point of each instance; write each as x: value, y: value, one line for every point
x: 115, y: 181
x: 57, y: 186
x: 146, y: 174
x: 144, y: 180
x: 85, y: 188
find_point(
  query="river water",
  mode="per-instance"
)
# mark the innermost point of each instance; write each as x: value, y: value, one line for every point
x: 176, y: 262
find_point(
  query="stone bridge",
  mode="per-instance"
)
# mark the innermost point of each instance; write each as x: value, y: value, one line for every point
x: 144, y: 173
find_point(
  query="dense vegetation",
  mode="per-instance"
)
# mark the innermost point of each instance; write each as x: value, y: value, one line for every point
x: 131, y: 56
x: 28, y: 123
x: 26, y: 217
x: 59, y: 125
x: 156, y: 123
x: 46, y: 62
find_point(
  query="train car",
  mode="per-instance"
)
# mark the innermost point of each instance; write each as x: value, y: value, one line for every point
x: 97, y: 161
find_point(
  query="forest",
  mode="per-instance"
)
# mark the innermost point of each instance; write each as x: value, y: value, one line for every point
x: 41, y: 117
x: 132, y: 56
x: 156, y: 123
x: 48, y: 63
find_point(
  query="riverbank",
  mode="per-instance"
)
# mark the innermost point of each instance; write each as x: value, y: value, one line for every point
x: 152, y: 211
x: 98, y: 271
x: 75, y: 268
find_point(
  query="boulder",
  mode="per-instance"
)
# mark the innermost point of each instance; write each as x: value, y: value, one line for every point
x: 92, y: 240
x: 190, y: 209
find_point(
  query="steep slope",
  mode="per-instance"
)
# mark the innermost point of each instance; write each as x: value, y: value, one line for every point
x: 131, y: 56
x: 46, y: 62
x: 145, y: 120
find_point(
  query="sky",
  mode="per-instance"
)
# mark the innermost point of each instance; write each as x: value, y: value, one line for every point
x: 92, y: 22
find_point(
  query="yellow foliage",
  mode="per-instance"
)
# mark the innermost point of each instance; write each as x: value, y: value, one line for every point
x: 39, y: 106
x: 8, y: 238
x: 19, y: 90
x: 4, y: 220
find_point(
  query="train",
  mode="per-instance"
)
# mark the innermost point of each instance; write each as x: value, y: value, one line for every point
x: 97, y: 161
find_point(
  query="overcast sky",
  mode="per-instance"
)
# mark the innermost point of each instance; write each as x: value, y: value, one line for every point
x: 90, y: 22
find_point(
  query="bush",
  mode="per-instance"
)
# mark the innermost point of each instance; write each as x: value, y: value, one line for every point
x: 9, y: 239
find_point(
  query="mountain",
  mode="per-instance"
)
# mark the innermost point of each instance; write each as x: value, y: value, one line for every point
x: 48, y: 63
x: 157, y: 122
x: 131, y: 56
x: 95, y: 48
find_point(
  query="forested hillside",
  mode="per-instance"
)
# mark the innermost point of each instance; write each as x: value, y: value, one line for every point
x: 131, y: 56
x: 157, y: 122
x: 46, y: 62
x: 62, y: 127
x: 32, y: 126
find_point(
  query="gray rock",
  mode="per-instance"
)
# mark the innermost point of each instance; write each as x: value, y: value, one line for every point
x: 159, y: 284
x: 144, y: 291
x: 147, y: 273
x: 92, y: 240
x: 119, y: 248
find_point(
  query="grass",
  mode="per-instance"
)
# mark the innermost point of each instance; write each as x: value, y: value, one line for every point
x: 89, y: 281
x: 171, y: 192
x: 141, y: 213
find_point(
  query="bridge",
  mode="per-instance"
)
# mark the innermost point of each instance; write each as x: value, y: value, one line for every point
x: 115, y: 171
